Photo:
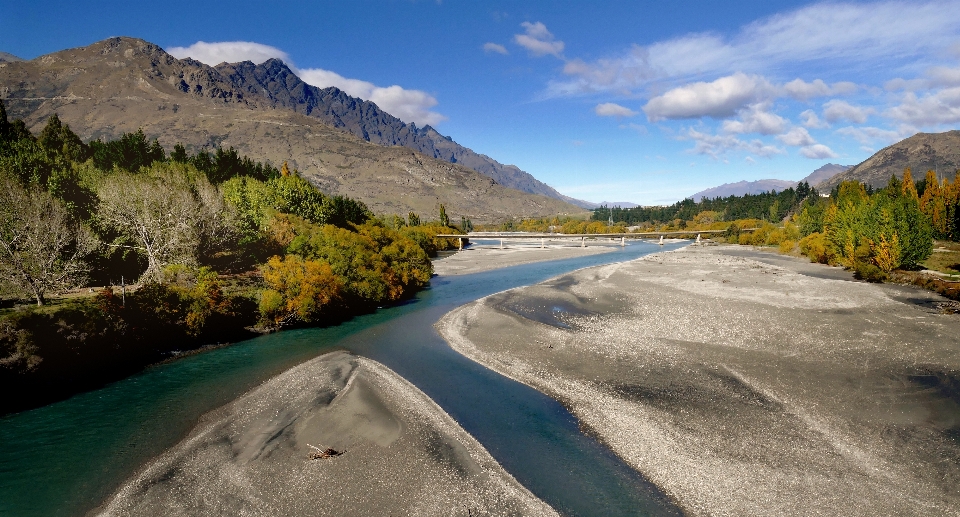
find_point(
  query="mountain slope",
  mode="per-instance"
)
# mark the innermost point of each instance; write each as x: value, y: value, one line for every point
x: 921, y: 152
x: 743, y: 187
x: 122, y: 84
x: 824, y: 173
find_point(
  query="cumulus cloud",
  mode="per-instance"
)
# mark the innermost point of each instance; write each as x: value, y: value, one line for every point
x: 810, y: 120
x: 836, y: 109
x: 718, y: 99
x: 407, y: 105
x: 818, y: 152
x: 609, y: 109
x: 494, y: 47
x: 755, y: 119
x: 802, y: 90
x: 538, y: 40
x: 718, y: 145
x: 932, y: 109
x: 228, y: 51
x: 842, y: 33
x: 797, y: 137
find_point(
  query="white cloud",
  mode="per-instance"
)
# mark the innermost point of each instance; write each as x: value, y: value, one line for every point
x: 538, y: 40
x: 718, y: 99
x: 944, y: 76
x: 938, y: 76
x: 755, y: 119
x: 494, y: 47
x: 845, y: 33
x: 609, y: 109
x: 228, y: 51
x: 870, y: 135
x: 797, y: 137
x: 802, y: 90
x: 933, y: 109
x: 407, y: 105
x: 818, y: 152
x: 810, y: 120
x: 718, y: 145
x: 835, y: 110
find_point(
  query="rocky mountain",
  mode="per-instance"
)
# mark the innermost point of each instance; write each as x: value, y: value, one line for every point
x: 343, y: 144
x: 8, y: 58
x: 824, y: 173
x: 921, y: 152
x: 743, y: 187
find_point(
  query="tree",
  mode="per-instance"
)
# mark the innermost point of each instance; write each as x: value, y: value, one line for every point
x: 444, y: 220
x: 58, y: 138
x: 179, y: 154
x: 5, y: 129
x: 169, y: 213
x: 42, y: 249
x: 413, y: 219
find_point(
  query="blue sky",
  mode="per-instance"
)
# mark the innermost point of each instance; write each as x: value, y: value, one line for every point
x: 645, y: 102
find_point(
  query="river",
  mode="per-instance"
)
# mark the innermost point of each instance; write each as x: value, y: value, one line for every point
x: 64, y: 459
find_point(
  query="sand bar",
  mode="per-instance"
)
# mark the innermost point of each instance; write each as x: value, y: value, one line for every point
x: 477, y: 258
x: 743, y: 383
x: 402, y: 455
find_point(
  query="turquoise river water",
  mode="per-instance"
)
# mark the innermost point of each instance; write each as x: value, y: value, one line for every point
x: 64, y: 459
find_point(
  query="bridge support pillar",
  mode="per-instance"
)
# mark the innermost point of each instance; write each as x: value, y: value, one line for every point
x: 583, y: 242
x: 501, y: 243
x: 541, y: 243
x: 623, y: 242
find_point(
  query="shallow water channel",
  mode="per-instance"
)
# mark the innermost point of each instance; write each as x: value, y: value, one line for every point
x: 64, y: 459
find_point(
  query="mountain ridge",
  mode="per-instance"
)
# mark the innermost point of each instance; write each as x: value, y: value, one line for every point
x: 921, y: 152
x: 122, y: 84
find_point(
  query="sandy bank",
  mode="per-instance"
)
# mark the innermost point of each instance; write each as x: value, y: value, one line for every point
x: 403, y: 454
x: 743, y: 383
x: 485, y: 257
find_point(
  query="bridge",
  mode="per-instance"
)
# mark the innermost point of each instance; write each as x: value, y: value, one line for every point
x: 582, y: 236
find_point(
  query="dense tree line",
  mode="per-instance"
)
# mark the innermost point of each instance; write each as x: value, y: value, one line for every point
x: 215, y: 242
x: 872, y: 232
x: 769, y: 206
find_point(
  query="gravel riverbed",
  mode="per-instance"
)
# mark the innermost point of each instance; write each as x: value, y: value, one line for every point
x: 743, y: 383
x: 401, y: 454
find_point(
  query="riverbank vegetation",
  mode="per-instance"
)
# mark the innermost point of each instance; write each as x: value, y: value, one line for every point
x: 195, y: 249
x: 880, y: 234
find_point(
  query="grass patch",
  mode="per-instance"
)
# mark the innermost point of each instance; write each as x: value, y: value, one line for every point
x: 945, y: 258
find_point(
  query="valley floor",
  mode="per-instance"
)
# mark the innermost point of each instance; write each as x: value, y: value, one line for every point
x: 743, y: 382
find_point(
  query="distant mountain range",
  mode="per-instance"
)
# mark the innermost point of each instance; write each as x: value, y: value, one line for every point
x: 343, y: 144
x: 921, y: 152
x: 939, y: 152
x: 740, y: 188
x: 8, y: 58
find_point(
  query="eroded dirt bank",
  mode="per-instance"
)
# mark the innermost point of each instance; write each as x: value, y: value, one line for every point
x: 743, y: 384
x: 402, y: 455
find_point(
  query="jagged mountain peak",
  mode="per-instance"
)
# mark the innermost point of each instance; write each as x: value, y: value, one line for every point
x: 265, y: 111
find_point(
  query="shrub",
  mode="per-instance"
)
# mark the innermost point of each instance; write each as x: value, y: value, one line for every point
x: 868, y: 272
x: 298, y: 290
x: 816, y: 248
x: 787, y: 246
